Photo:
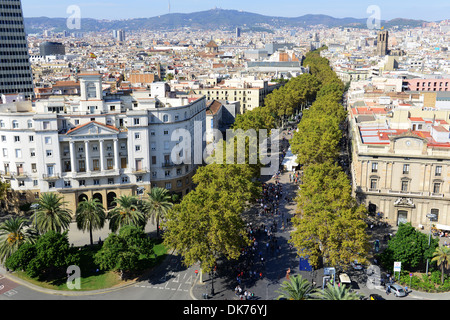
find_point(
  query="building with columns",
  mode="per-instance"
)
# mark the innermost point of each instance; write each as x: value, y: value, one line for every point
x: 99, y: 145
x: 401, y: 162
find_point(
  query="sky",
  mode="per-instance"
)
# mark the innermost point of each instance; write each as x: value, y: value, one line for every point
x: 433, y: 10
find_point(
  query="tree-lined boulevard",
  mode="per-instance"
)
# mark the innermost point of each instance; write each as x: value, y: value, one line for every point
x: 238, y: 235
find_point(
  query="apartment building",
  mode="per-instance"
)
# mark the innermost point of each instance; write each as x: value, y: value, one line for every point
x: 249, y: 91
x: 401, y: 162
x: 99, y: 145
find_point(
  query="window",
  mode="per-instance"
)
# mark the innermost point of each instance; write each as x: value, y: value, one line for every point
x: 82, y: 183
x: 165, y: 118
x: 139, y: 179
x: 124, y: 179
x: 373, y: 184
x: 30, y: 124
x: 167, y: 173
x: 405, y: 185
x: 33, y: 167
x: 436, y: 187
x: 16, y: 139
x: 438, y: 171
x: 51, y: 184
x: 374, y: 167
x: 166, y: 132
x: 405, y: 168
x: 2, y: 124
x: 152, y: 133
x: 153, y: 146
x: 35, y: 183
x: 153, y: 159
x: 49, y: 153
x: 5, y: 152
x: 179, y: 183
x: 18, y: 153
x: 137, y: 136
x: 136, y: 121
x: 30, y: 138
x: 46, y: 125
x: 32, y: 153
x: 110, y: 180
x: 48, y: 140
x: 154, y: 174
x: 3, y: 138
x: 67, y: 183
x: 436, y: 213
x: 166, y: 145
x: 168, y: 186
x: 15, y: 124
x: 138, y: 148
x: 21, y: 183
x: 96, y: 182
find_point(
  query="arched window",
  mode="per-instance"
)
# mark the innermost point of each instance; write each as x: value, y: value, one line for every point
x: 165, y: 118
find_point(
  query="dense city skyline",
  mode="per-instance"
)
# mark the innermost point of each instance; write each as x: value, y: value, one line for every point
x: 114, y: 10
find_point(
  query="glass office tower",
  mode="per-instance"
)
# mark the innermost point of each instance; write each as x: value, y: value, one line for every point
x: 15, y: 69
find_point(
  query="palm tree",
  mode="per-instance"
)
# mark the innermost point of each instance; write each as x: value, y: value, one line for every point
x: 158, y: 204
x: 336, y: 293
x: 90, y: 216
x: 297, y: 289
x: 442, y: 258
x: 51, y: 214
x: 126, y: 212
x: 15, y: 233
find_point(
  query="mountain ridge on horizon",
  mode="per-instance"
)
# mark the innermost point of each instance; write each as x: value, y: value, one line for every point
x: 213, y: 18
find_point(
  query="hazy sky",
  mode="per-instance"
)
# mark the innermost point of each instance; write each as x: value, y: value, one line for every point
x: 119, y: 9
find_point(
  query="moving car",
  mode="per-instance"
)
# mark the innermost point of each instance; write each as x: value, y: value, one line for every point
x: 356, y: 265
x: 398, y: 290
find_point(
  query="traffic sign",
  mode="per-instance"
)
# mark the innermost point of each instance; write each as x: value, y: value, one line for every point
x: 397, y: 266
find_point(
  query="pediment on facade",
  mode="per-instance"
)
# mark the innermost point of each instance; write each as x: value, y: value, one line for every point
x: 92, y: 128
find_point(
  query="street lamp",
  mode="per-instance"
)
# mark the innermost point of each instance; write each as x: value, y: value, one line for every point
x: 432, y: 217
x: 140, y: 191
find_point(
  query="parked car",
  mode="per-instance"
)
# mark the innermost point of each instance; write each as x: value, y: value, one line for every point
x: 375, y: 297
x: 398, y: 290
x: 356, y: 265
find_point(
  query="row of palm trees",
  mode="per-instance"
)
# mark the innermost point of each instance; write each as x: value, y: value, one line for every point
x: 298, y: 288
x: 50, y: 214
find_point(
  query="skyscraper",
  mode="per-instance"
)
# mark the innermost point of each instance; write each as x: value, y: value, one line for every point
x: 382, y: 43
x: 15, y: 69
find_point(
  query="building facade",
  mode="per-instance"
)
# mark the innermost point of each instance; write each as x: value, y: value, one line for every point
x: 99, y: 145
x: 401, y: 164
x: 15, y: 69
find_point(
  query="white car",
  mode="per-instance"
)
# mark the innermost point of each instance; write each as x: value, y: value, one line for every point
x: 356, y: 265
x: 398, y: 290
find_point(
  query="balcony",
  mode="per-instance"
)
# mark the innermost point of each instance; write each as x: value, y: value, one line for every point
x: 170, y: 164
x: 51, y: 177
x: 21, y: 175
x: 139, y: 171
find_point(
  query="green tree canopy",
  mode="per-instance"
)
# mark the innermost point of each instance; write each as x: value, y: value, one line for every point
x: 128, y: 251
x: 316, y: 140
x: 49, y: 259
x: 51, y: 213
x: 127, y: 212
x: 328, y: 223
x: 13, y: 233
x: 410, y: 247
x: 90, y: 215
